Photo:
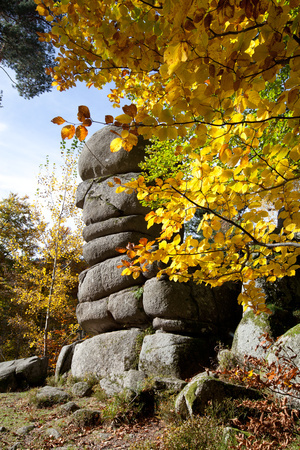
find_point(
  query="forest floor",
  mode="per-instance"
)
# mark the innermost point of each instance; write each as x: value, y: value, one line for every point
x: 16, y: 411
x: 119, y: 425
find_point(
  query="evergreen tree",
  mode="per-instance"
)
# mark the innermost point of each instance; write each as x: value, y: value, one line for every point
x: 21, y: 49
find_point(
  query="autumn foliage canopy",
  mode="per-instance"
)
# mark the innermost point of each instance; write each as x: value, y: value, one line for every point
x: 225, y: 74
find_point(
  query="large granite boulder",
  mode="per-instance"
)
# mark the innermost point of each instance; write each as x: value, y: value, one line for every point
x: 286, y: 352
x: 249, y: 335
x: 126, y: 307
x: 107, y: 354
x: 205, y: 388
x: 104, y: 279
x: 287, y: 347
x: 196, y: 310
x: 103, y: 248
x: 123, y: 309
x: 22, y: 373
x: 95, y: 318
x: 283, y: 298
x: 170, y: 300
x: 171, y: 355
x: 64, y: 360
x: 101, y: 202
x: 97, y: 160
x: 117, y: 225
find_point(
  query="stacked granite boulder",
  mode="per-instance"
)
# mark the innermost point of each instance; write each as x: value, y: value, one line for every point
x: 186, y: 319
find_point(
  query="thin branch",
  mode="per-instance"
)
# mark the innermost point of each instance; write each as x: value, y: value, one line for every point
x: 234, y: 33
x: 13, y: 81
x: 232, y: 222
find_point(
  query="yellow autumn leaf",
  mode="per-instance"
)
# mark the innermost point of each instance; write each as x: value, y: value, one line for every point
x: 176, y: 240
x: 219, y: 238
x: 120, y: 189
x: 124, y: 118
x: 116, y: 145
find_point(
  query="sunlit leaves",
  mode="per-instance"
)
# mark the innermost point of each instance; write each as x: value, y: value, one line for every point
x: 68, y: 131
x: 109, y: 119
x: 217, y: 84
x: 58, y: 120
x: 80, y: 131
x: 83, y: 113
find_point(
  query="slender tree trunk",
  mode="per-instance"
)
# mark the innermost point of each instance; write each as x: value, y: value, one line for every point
x: 53, y: 278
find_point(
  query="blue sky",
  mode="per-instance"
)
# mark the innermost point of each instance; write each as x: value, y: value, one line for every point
x: 28, y: 135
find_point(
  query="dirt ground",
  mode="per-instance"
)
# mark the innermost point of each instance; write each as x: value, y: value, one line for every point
x: 17, y: 411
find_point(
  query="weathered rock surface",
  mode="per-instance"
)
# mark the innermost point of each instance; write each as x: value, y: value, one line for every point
x: 104, y: 279
x: 97, y: 160
x: 102, y: 202
x: 171, y: 355
x: 24, y: 430
x: 167, y: 299
x: 248, y: 335
x: 106, y: 354
x: 20, y: 373
x: 95, y: 318
x: 129, y: 381
x: 54, y: 433
x: 49, y: 395
x: 117, y: 225
x: 188, y: 327
x: 287, y: 346
x: 64, y: 360
x: 189, y: 319
x: 81, y: 389
x: 69, y: 407
x: 204, y: 388
x: 126, y: 307
x: 287, y: 350
x: 283, y: 298
x: 119, y: 310
x: 103, y: 248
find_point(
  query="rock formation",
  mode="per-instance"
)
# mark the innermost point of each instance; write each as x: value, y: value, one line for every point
x: 186, y: 319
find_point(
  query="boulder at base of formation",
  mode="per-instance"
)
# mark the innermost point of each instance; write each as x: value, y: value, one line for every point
x: 22, y: 373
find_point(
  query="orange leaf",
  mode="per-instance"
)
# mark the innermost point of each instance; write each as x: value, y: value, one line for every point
x: 67, y: 132
x: 121, y: 250
x: 131, y: 254
x: 81, y: 132
x: 117, y: 180
x: 130, y: 110
x: 58, y: 120
x: 83, y: 113
x: 87, y: 122
x: 109, y: 119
